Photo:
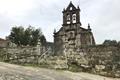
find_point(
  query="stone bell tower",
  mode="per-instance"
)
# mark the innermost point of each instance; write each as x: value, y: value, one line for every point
x: 71, y: 15
x: 71, y: 36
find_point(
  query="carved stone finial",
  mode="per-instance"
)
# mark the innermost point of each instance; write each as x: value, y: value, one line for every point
x: 78, y: 7
x: 54, y: 30
x: 63, y: 9
x: 89, y: 27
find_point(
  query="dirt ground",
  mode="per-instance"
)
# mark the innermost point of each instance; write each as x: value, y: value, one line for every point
x: 16, y: 72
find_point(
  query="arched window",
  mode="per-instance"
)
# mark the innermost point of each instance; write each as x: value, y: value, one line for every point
x: 68, y: 17
x: 74, y: 18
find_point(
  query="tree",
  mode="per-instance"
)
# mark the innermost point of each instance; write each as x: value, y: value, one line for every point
x: 35, y: 35
x: 119, y: 43
x: 28, y: 36
x: 106, y: 42
x: 110, y: 42
x: 113, y: 42
x: 43, y: 40
x: 16, y: 35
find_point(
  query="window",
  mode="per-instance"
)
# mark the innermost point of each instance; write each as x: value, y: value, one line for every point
x: 68, y: 17
x: 70, y: 8
x: 74, y: 18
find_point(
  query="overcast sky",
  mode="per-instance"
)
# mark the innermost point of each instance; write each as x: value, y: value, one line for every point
x: 103, y: 16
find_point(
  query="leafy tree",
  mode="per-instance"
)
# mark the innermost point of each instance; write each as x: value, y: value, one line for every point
x: 119, y: 43
x: 110, y: 42
x: 43, y: 40
x: 16, y: 35
x: 28, y: 36
x: 113, y: 42
x: 35, y: 35
x: 106, y: 42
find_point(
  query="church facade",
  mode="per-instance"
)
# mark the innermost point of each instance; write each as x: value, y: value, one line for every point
x: 72, y: 36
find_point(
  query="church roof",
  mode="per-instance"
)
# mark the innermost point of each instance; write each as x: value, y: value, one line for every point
x: 61, y: 29
x: 84, y: 30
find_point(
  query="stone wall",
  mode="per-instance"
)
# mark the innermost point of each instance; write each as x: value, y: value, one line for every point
x: 103, y: 55
x: 98, y: 59
x: 104, y: 59
x: 21, y: 55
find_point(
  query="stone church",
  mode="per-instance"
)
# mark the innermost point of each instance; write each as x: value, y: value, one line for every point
x: 72, y: 36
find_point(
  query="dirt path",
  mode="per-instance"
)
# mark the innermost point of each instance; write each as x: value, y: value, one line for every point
x: 15, y: 72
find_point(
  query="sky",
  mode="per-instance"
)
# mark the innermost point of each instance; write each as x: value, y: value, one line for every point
x: 103, y: 16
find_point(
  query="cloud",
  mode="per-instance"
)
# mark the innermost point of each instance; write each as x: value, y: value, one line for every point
x: 103, y: 15
x: 107, y: 21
